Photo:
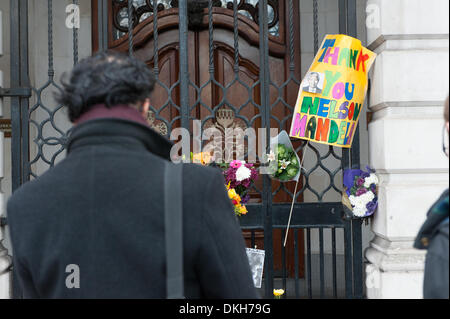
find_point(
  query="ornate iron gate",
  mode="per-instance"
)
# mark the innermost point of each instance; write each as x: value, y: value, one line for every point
x: 32, y: 132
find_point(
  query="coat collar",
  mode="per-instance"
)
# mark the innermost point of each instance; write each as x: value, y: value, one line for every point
x: 119, y: 111
x: 436, y: 217
x: 122, y: 132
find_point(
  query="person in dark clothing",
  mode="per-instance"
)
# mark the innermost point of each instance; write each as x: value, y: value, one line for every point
x: 433, y: 236
x: 93, y: 225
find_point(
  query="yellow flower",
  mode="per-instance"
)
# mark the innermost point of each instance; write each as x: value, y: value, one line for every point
x: 278, y: 293
x: 202, y: 158
x: 243, y: 210
x: 232, y: 193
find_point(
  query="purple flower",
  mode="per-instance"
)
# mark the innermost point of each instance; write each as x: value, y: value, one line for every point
x: 245, y: 199
x: 371, y: 207
x: 349, y: 178
x: 254, y: 174
x: 361, y: 191
x: 370, y: 170
x: 373, y: 188
x: 230, y: 174
x: 360, y: 182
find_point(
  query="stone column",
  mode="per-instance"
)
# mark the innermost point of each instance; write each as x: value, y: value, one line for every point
x: 5, y: 261
x: 409, y: 86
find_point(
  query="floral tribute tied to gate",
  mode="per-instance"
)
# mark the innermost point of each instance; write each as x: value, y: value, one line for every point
x: 361, y: 192
x: 332, y: 94
x: 239, y: 177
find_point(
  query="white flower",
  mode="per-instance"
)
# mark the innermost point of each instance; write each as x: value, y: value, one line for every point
x: 359, y: 203
x: 271, y: 156
x: 356, y: 201
x: 243, y: 173
x: 359, y: 211
x: 284, y: 164
x: 372, y: 179
x: 367, y: 197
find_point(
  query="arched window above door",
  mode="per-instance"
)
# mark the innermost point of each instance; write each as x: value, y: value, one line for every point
x: 143, y: 9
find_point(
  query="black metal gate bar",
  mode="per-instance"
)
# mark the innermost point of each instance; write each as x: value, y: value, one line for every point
x: 75, y: 37
x: 333, y: 256
x: 16, y: 71
x: 155, y: 41
x: 102, y: 25
x: 321, y: 264
x: 19, y: 104
x: 130, y: 27
x: 348, y: 260
x: 184, y: 65
x: 264, y: 80
x: 24, y: 82
x: 308, y: 261
x: 296, y: 262
x: 351, y: 159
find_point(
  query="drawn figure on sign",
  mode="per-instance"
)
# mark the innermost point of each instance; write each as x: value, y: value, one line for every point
x: 313, y: 82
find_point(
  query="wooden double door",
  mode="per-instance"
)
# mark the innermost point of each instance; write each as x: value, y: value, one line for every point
x: 224, y: 73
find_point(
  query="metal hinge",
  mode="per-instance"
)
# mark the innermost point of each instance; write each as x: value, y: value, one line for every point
x: 15, y: 92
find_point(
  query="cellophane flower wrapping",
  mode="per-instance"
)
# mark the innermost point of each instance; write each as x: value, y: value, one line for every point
x: 284, y: 163
x: 361, y: 192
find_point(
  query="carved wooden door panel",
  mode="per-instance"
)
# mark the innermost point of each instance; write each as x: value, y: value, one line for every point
x: 224, y: 85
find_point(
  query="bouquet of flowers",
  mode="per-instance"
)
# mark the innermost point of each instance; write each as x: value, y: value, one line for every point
x: 283, y: 163
x: 239, y: 207
x: 361, y: 189
x: 240, y: 176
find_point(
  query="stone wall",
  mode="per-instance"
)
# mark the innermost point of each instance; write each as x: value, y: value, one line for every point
x: 409, y: 86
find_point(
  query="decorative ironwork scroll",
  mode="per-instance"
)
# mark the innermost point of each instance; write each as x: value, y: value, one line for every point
x: 143, y: 9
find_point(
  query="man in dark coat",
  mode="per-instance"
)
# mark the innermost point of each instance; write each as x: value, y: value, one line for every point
x: 433, y: 236
x: 93, y: 226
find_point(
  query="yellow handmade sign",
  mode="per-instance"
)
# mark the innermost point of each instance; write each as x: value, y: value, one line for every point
x: 332, y: 94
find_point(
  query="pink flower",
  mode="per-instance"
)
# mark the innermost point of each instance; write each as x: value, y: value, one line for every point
x: 235, y: 164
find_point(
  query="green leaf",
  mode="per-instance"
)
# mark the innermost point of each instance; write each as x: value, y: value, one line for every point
x: 292, y: 171
x: 281, y: 149
x: 294, y: 160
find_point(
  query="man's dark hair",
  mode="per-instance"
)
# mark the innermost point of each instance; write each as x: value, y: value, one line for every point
x: 109, y: 78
